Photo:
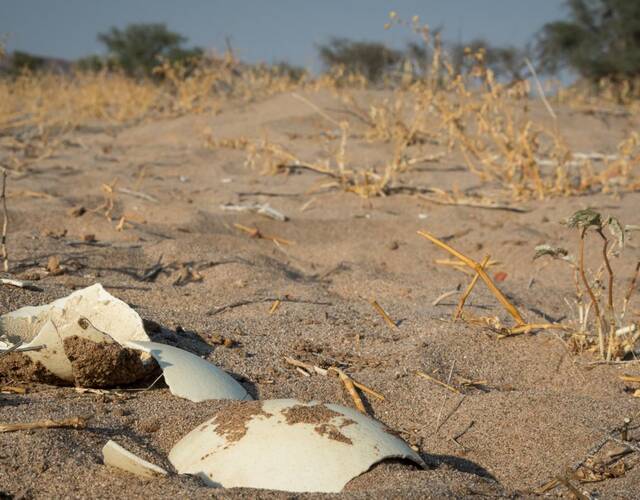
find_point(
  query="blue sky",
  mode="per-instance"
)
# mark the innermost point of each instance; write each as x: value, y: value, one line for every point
x: 266, y: 30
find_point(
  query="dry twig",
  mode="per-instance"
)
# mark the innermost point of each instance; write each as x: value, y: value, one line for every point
x: 240, y: 303
x: 439, y: 382
x: 274, y: 307
x: 324, y: 372
x: 384, y: 314
x: 254, y: 232
x: 5, y: 222
x: 351, y: 389
x: 469, y: 289
x: 477, y: 267
x: 70, y: 423
x: 445, y: 295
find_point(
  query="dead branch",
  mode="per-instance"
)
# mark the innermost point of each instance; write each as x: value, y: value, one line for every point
x: 348, y: 384
x: 138, y: 194
x: 492, y: 205
x: 439, y: 382
x: 445, y: 295
x: 324, y: 372
x: 254, y: 232
x: 592, y: 296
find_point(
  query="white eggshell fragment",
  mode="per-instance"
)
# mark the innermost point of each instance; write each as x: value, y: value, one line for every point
x: 53, y: 357
x: 91, y: 313
x: 287, y: 445
x: 104, y: 311
x: 115, y: 455
x: 191, y: 377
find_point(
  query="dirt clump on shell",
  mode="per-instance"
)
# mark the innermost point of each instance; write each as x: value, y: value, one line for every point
x: 17, y: 366
x: 231, y: 422
x: 321, y: 416
x: 105, y: 364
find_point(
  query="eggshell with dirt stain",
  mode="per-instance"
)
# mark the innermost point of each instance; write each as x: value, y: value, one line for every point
x: 287, y: 445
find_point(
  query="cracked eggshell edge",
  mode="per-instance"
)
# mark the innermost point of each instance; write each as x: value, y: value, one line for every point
x: 116, y: 456
x: 191, y: 377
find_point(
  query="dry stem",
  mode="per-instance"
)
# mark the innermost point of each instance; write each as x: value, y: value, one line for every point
x: 384, y: 314
x: 274, y: 307
x: 73, y: 423
x: 5, y: 223
x: 254, y: 232
x: 519, y: 330
x: 592, y: 296
x: 477, y: 267
x: 321, y: 371
x: 632, y: 287
x: 351, y: 389
x: 469, y: 289
x: 439, y: 382
x: 610, y: 310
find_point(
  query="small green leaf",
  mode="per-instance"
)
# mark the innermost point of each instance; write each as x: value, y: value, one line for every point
x: 585, y: 218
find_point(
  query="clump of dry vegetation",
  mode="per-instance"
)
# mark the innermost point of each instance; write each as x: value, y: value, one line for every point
x: 37, y: 109
x: 601, y: 321
x: 487, y: 121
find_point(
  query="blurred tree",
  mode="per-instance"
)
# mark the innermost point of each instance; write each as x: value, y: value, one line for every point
x: 506, y: 62
x: 139, y: 47
x: 370, y: 59
x: 291, y: 71
x: 92, y: 63
x: 21, y: 61
x: 601, y: 39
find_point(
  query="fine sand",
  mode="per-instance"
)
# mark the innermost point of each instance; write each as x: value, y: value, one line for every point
x: 539, y: 410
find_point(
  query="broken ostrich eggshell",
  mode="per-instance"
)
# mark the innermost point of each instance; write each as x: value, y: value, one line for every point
x: 86, y: 314
x: 287, y: 445
x: 104, y: 311
x: 53, y: 357
x: 191, y: 377
x: 115, y: 455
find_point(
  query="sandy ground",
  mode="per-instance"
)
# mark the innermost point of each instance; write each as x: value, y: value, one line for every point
x: 540, y: 410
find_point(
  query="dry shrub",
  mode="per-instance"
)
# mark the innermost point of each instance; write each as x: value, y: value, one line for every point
x: 274, y: 158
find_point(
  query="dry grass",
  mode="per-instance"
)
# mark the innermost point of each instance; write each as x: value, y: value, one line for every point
x: 38, y: 109
x: 487, y: 122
